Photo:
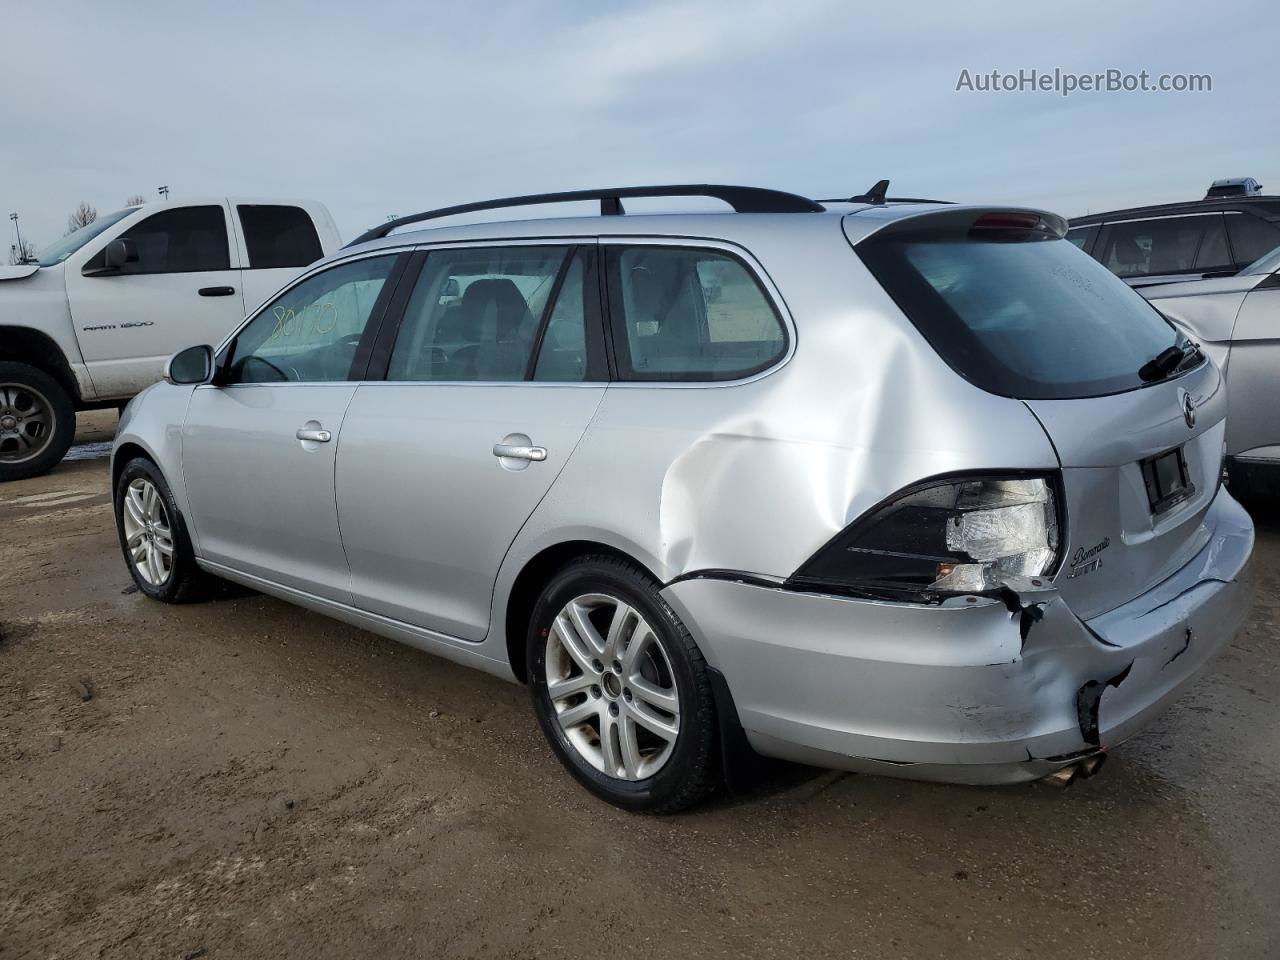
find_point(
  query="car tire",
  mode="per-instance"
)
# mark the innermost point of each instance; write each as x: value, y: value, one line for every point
x: 37, y: 421
x: 640, y: 682
x: 153, y: 536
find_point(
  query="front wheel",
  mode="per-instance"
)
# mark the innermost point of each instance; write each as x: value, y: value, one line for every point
x: 153, y: 536
x: 37, y: 421
x: 620, y: 688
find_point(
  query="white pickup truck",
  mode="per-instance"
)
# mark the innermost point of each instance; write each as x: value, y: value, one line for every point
x: 92, y: 322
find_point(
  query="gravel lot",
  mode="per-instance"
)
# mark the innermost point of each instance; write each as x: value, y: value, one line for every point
x: 243, y: 779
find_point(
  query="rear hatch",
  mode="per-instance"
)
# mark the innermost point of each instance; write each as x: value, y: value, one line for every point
x: 1133, y: 410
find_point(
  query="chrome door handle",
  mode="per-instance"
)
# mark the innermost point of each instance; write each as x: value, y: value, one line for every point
x: 317, y: 436
x: 515, y: 451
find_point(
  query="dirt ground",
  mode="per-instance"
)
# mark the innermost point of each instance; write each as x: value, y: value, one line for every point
x: 242, y: 779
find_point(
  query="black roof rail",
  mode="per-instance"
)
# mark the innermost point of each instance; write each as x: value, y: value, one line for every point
x: 742, y: 199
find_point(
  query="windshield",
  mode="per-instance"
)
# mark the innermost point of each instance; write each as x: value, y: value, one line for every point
x: 72, y: 242
x: 1019, y: 313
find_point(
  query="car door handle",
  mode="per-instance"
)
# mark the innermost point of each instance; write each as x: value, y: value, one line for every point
x: 515, y: 451
x: 315, y: 436
x: 216, y: 291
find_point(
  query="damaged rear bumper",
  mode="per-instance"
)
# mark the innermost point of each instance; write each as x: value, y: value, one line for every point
x: 969, y: 691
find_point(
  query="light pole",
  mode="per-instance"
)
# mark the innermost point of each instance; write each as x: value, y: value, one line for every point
x: 22, y: 251
x: 163, y: 191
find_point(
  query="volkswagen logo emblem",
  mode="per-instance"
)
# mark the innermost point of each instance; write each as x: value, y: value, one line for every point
x: 1188, y: 408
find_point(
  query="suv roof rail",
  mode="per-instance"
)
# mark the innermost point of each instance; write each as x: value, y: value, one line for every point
x: 742, y: 199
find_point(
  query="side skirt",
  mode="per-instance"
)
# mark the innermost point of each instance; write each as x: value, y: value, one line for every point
x: 442, y: 645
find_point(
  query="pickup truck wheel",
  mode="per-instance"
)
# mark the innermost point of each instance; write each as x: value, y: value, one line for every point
x: 37, y: 421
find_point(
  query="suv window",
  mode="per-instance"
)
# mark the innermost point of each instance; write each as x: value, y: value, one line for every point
x: 1024, y: 315
x: 311, y: 331
x: 1168, y: 245
x: 689, y: 314
x: 1082, y: 237
x: 278, y: 236
x: 1251, y: 238
x: 183, y: 240
x: 476, y: 314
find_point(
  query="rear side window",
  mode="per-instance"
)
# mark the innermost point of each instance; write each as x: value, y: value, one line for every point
x: 477, y: 314
x: 1251, y: 238
x: 1022, y: 314
x: 278, y: 236
x: 1169, y: 245
x: 183, y: 240
x: 689, y: 314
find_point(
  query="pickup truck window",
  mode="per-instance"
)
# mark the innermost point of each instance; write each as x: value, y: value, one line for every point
x: 278, y: 236
x: 181, y: 240
x: 57, y: 252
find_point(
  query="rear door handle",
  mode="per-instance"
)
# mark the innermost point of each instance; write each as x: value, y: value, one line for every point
x: 316, y: 436
x: 216, y: 291
x: 514, y: 451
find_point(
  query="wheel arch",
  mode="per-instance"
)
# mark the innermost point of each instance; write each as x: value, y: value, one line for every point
x: 127, y: 451
x: 38, y: 349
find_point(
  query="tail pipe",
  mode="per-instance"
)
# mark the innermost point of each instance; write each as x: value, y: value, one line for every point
x: 1083, y: 769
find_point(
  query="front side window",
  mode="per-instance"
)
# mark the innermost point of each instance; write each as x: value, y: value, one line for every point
x: 310, y: 333
x: 278, y: 236
x: 182, y: 240
x: 476, y: 315
x: 1148, y: 248
x: 690, y: 314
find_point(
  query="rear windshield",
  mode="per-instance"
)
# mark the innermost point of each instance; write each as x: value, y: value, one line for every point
x: 1019, y: 313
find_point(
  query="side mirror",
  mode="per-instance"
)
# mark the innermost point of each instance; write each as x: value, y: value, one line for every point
x: 192, y: 365
x: 120, y: 252
x: 450, y: 288
x: 112, y: 260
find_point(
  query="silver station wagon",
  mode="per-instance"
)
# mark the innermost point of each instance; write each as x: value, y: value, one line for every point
x: 900, y: 487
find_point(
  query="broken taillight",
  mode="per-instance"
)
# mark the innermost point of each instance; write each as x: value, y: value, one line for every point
x: 945, y: 537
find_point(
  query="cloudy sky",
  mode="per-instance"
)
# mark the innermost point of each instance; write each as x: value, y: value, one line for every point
x: 391, y: 106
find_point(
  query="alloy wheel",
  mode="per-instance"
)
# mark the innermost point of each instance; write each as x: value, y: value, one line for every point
x: 148, y: 534
x: 26, y: 422
x: 611, y: 687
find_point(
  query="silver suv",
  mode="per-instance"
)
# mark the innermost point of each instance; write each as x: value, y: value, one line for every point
x: 906, y: 488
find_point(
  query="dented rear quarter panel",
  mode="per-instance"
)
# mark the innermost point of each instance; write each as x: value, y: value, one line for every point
x: 756, y: 476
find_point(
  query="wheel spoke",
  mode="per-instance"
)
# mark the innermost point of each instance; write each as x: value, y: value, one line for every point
x: 572, y: 643
x: 653, y: 695
x: 609, y: 745
x: 579, y: 713
x: 135, y: 538
x: 623, y: 618
x: 641, y: 637
x: 133, y: 504
x: 630, y: 747
x: 559, y: 689
x: 659, y: 728
x: 163, y: 547
x: 590, y: 636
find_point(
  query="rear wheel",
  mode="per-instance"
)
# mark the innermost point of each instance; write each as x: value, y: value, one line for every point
x: 620, y: 688
x: 37, y: 421
x: 153, y: 537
